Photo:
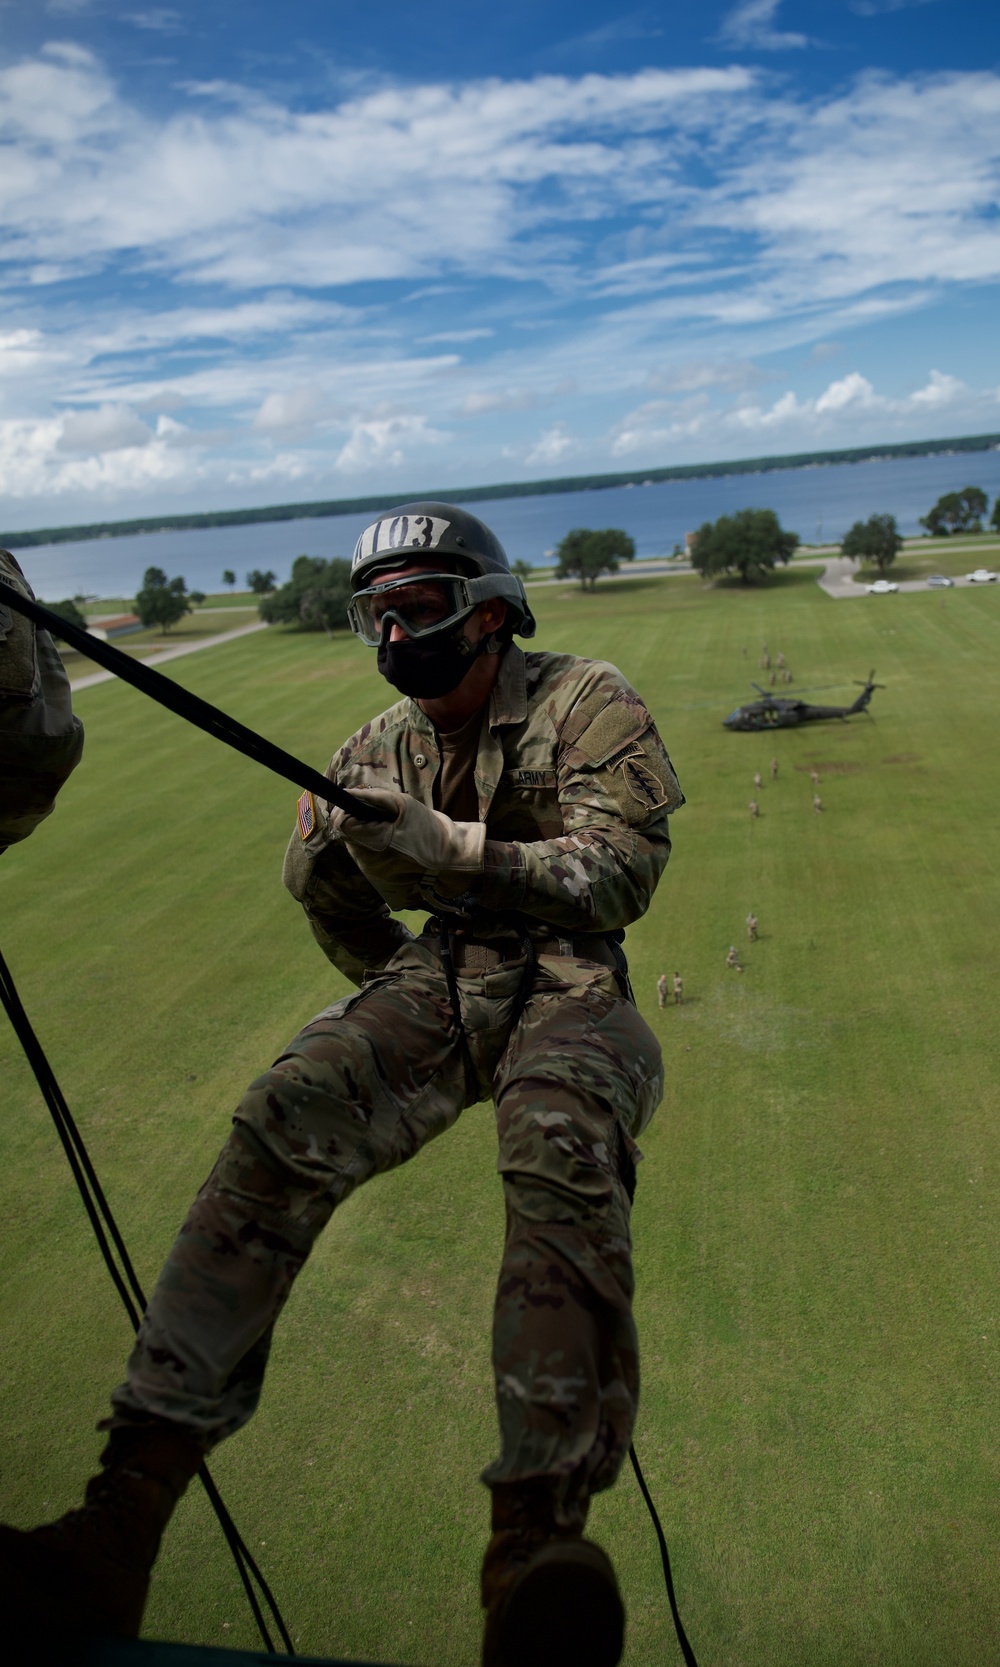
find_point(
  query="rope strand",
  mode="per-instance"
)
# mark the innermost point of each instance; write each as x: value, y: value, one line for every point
x: 125, y: 1280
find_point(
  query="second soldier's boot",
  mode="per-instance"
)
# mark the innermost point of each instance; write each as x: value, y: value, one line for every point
x: 551, y: 1597
x: 87, y: 1575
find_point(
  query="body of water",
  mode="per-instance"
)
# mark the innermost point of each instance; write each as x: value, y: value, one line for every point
x: 818, y: 503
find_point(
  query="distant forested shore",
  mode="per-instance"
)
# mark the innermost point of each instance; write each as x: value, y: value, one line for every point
x: 481, y: 494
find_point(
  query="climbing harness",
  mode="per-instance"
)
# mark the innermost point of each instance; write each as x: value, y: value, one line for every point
x: 225, y: 728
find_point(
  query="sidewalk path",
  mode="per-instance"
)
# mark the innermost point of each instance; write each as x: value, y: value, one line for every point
x: 172, y: 654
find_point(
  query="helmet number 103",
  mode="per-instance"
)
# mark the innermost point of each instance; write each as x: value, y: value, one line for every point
x: 401, y: 532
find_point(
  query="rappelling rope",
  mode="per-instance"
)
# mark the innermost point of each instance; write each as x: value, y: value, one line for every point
x: 125, y: 1279
x: 225, y: 728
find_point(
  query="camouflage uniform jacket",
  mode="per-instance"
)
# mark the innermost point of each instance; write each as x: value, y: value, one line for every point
x: 40, y: 739
x: 574, y: 786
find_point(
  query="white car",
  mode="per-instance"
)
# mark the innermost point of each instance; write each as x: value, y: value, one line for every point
x: 881, y: 587
x: 982, y: 576
x: 940, y: 581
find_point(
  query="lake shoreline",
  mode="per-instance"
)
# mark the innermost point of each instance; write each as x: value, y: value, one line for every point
x: 330, y: 508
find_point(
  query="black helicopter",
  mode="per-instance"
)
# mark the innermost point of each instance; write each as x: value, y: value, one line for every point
x: 775, y: 712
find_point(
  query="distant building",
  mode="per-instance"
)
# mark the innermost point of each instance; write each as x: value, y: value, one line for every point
x: 689, y: 539
x: 118, y: 625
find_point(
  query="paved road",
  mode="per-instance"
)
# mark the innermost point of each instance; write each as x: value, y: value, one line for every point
x: 172, y: 654
x: 837, y: 581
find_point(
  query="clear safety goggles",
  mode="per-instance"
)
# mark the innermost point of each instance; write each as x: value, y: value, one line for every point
x: 420, y: 606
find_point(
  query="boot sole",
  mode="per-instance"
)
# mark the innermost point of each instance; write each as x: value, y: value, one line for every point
x: 564, y: 1611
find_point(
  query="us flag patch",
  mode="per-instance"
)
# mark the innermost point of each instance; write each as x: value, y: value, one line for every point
x: 306, y: 813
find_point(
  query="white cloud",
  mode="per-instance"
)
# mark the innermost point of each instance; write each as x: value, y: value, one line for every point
x: 480, y: 403
x: 163, y: 19
x: 20, y: 350
x: 853, y: 390
x: 386, y: 440
x: 727, y: 217
x: 33, y: 465
x: 456, y: 336
x: 108, y: 428
x: 297, y: 409
x: 751, y: 24
x: 836, y: 416
x: 791, y: 204
x: 694, y: 374
x: 551, y: 447
x: 940, y: 390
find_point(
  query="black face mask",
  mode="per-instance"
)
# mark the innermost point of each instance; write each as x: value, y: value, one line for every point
x: 427, y: 667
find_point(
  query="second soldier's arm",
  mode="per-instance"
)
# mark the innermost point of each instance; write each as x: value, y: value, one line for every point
x: 40, y: 739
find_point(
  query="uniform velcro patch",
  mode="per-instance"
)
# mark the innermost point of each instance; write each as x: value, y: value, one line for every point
x: 619, y: 723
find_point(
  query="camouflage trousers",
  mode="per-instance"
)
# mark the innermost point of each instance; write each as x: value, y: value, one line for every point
x: 361, y: 1089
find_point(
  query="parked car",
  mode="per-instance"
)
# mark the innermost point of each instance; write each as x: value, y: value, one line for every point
x: 938, y: 581
x: 982, y: 576
x: 881, y: 587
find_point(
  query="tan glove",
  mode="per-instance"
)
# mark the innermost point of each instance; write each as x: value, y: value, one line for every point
x: 422, y: 841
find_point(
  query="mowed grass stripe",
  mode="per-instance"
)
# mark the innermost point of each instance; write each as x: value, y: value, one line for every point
x: 816, y: 1222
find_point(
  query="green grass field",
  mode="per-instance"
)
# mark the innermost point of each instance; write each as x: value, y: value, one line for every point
x: 817, y: 1220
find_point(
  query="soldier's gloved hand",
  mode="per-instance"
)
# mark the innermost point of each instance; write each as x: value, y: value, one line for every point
x: 420, y: 840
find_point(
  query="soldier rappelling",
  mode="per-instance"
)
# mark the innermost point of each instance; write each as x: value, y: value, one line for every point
x: 526, y: 796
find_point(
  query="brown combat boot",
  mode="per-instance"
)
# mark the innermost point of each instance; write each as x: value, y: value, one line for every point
x: 551, y: 1597
x: 88, y: 1573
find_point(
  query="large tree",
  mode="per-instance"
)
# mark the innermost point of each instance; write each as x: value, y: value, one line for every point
x: 584, y: 554
x: 69, y: 611
x: 261, y: 583
x: 957, y: 512
x: 749, y: 543
x: 875, y: 540
x: 315, y: 597
x: 161, y: 601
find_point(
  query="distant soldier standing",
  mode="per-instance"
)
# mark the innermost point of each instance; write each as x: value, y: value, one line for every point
x: 678, y: 989
x: 817, y: 802
x: 733, y: 960
x: 752, y: 927
x: 754, y: 808
x: 814, y: 776
x: 661, y: 990
x: 758, y: 780
x: 774, y: 769
x: 780, y: 662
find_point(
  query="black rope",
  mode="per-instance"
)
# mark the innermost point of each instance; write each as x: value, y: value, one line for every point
x: 197, y: 711
x: 682, y: 1638
x: 125, y: 1280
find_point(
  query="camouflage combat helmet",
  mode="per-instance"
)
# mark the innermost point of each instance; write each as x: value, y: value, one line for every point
x: 423, y: 531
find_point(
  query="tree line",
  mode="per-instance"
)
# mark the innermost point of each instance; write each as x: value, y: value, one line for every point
x: 750, y: 543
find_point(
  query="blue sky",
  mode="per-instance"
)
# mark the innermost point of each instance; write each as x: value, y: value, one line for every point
x: 256, y: 253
